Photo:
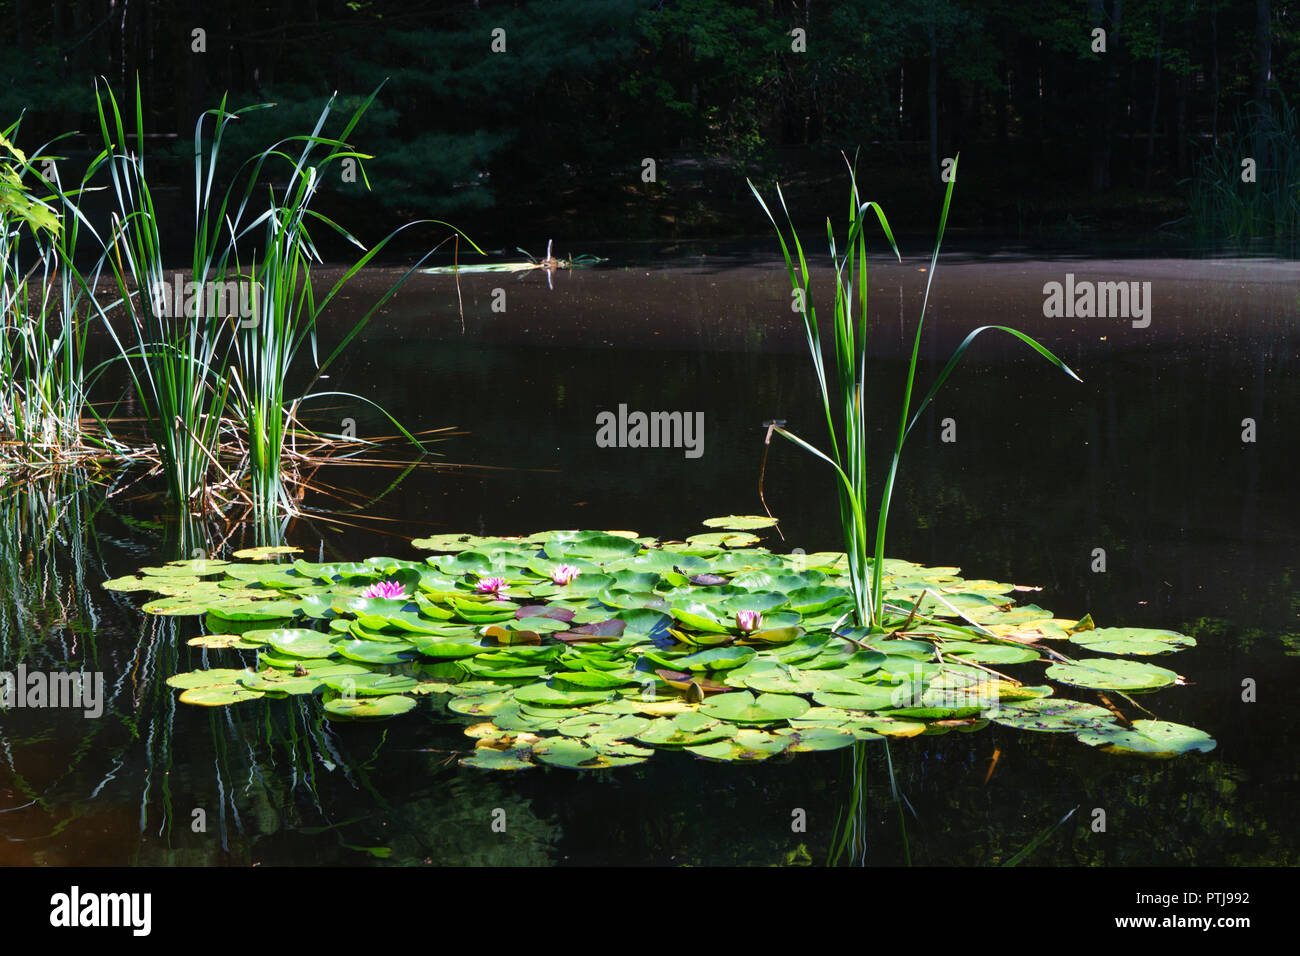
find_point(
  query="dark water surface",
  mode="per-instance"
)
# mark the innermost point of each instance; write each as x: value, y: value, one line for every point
x: 1145, y: 460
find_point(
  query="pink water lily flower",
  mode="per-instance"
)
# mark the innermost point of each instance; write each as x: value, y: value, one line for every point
x: 495, y: 586
x: 385, y: 589
x: 564, y: 573
x: 749, y: 620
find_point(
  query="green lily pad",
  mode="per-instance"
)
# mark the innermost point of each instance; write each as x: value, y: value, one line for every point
x: 218, y: 695
x: 1110, y: 674
x: 1149, y: 738
x: 206, y: 678
x: 374, y: 652
x: 604, y: 725
x: 372, y: 685
x: 723, y: 539
x: 1131, y: 640
x: 982, y: 653
x: 265, y: 552
x: 714, y: 659
x: 543, y: 694
x: 805, y: 739
x: 488, y: 758
x: 685, y: 730
x: 366, y: 708
x: 746, y: 746
x: 1051, y: 715
x: 483, y: 705
x: 222, y: 642
x: 593, y: 545
x: 448, y: 648
x: 297, y: 642
x: 740, y: 522
x: 574, y: 754
x: 743, y: 707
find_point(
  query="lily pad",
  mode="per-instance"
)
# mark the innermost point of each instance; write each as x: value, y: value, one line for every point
x: 1149, y: 738
x: 740, y: 522
x: 1131, y: 640
x: 805, y: 739
x: 367, y: 708
x: 301, y: 643
x: 218, y: 695
x: 1110, y: 674
x: 1051, y: 715
x: 743, y: 707
x: 746, y: 746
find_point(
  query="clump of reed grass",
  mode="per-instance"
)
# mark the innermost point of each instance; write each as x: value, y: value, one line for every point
x: 843, y: 390
x: 44, y: 307
x: 212, y: 384
x: 1226, y: 208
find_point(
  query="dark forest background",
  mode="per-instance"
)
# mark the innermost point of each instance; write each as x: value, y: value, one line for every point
x: 550, y: 135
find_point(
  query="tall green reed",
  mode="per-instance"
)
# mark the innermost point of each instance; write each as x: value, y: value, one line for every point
x: 844, y: 393
x: 216, y: 372
x: 177, y: 363
x: 287, y: 308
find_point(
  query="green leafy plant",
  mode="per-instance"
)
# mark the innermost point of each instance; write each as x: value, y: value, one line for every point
x: 204, y: 376
x: 44, y: 304
x: 588, y: 649
x: 287, y: 307
x: 178, y: 363
x: 844, y: 395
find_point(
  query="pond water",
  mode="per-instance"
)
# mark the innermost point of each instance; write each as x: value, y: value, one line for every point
x: 1145, y: 460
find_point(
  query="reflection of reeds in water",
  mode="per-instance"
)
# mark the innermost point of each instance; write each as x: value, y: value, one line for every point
x: 849, y: 840
x: 266, y: 757
x: 48, y: 559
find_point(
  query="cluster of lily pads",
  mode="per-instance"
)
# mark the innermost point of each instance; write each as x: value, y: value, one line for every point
x: 589, y: 649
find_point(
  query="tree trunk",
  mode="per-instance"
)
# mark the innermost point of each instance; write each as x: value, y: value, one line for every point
x: 1263, y: 50
x: 1155, y: 101
x: 1214, y: 73
x: 934, y: 102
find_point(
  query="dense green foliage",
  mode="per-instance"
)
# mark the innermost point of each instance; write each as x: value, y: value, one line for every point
x: 560, y: 120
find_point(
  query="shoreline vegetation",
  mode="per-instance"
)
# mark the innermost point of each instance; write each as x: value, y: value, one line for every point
x: 207, y: 350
